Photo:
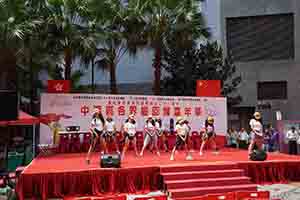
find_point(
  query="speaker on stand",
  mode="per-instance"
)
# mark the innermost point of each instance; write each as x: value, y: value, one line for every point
x: 110, y: 160
x: 258, y: 155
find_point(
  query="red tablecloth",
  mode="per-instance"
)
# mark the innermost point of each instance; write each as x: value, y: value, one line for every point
x: 92, y: 182
x: 272, y: 172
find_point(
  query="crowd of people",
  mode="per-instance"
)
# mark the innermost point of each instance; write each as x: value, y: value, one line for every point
x: 266, y: 139
x: 241, y: 139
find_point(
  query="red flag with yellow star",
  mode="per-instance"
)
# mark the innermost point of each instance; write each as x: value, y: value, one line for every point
x: 208, y: 88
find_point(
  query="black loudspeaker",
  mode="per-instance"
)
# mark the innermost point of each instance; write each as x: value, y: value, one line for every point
x: 258, y: 155
x: 110, y: 161
x: 9, y: 105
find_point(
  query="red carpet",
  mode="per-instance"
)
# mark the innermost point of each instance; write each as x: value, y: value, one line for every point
x: 211, y: 179
x: 67, y: 174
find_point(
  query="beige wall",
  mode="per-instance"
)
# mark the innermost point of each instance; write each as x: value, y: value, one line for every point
x: 252, y: 72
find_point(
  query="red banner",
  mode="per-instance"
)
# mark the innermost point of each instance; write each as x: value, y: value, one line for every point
x: 208, y: 88
x: 59, y: 86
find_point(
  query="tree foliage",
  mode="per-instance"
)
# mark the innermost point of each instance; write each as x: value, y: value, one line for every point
x: 42, y: 34
x: 164, y: 18
x: 184, y: 66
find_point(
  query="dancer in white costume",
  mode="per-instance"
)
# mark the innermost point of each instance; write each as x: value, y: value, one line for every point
x: 97, y: 127
x: 130, y: 134
x: 150, y: 135
x: 256, y: 132
x: 181, y: 138
x: 209, y: 134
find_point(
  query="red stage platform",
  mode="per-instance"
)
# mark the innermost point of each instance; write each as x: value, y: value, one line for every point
x: 68, y: 174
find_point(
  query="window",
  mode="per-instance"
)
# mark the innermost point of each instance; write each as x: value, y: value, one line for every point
x: 272, y: 90
x: 268, y: 37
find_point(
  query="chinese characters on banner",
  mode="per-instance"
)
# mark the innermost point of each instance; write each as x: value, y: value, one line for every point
x: 82, y: 106
x: 156, y: 111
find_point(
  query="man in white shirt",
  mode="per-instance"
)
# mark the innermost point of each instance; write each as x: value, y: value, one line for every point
x: 292, y: 136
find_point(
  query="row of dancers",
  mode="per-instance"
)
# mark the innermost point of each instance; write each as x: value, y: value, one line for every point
x: 105, y: 131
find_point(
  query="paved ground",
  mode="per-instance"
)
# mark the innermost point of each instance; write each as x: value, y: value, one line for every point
x: 283, y: 191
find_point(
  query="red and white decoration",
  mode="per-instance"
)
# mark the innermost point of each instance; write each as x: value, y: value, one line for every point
x: 80, y: 108
x: 59, y: 86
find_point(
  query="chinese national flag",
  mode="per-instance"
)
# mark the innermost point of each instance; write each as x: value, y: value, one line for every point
x: 208, y: 88
x: 59, y: 86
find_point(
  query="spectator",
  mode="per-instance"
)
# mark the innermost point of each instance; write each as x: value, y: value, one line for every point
x: 232, y: 138
x: 267, y: 140
x: 292, y: 137
x: 274, y: 142
x: 243, y: 139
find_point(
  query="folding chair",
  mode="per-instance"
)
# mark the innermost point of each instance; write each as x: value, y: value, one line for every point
x: 64, y: 143
x: 75, y: 143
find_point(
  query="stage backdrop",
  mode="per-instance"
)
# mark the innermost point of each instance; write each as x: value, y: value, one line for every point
x: 77, y: 109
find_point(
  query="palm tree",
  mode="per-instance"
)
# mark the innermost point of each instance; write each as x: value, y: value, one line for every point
x: 171, y: 17
x: 66, y: 29
x: 15, y: 26
x: 89, y: 59
x: 117, y: 33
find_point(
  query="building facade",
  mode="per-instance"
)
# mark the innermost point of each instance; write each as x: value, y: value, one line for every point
x: 263, y: 36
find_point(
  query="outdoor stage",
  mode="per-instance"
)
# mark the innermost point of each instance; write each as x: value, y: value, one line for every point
x: 68, y: 174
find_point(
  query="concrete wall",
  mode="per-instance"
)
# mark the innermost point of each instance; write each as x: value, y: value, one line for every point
x: 252, y: 72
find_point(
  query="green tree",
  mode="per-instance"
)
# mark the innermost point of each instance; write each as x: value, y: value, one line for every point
x: 16, y: 26
x: 23, y: 49
x: 67, y: 31
x: 171, y: 17
x: 204, y: 62
x: 117, y: 27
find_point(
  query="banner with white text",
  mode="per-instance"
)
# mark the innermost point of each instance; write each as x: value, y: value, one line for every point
x: 77, y: 110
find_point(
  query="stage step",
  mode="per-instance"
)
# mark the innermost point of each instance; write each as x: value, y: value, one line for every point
x: 207, y: 182
x: 200, y: 191
x: 208, y: 167
x: 183, y: 175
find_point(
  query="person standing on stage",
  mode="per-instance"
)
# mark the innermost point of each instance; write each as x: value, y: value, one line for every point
x: 96, y: 130
x: 188, y: 128
x: 130, y: 134
x: 109, y: 135
x: 150, y: 135
x: 209, y: 134
x: 257, y: 138
x: 292, y: 137
x: 181, y: 138
x: 161, y: 133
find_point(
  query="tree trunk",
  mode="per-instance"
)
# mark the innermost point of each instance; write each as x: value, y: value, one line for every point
x: 113, y: 79
x: 68, y: 62
x: 32, y: 82
x: 93, y: 76
x: 157, y: 71
x: 8, y: 75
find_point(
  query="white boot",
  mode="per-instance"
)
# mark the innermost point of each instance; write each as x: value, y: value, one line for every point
x: 172, y: 157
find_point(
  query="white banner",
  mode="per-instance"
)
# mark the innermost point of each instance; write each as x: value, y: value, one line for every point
x: 78, y: 110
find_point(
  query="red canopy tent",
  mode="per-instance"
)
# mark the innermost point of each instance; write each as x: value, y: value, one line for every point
x: 24, y: 119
